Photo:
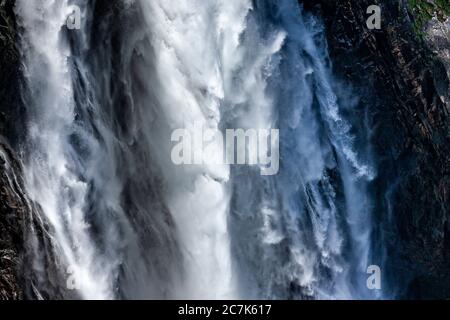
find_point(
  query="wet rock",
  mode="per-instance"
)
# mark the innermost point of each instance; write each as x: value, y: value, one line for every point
x: 11, y: 206
x: 406, y: 87
x: 12, y: 210
x: 11, y: 107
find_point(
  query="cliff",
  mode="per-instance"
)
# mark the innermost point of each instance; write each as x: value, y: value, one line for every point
x: 12, y: 211
x: 12, y: 207
x: 406, y: 88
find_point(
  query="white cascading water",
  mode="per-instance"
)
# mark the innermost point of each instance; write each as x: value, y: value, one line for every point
x: 102, y: 103
x: 51, y: 173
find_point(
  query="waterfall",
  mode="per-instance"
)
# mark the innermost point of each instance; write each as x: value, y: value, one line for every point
x: 52, y: 166
x: 125, y: 220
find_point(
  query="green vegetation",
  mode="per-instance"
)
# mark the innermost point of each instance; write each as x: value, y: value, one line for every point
x: 424, y: 10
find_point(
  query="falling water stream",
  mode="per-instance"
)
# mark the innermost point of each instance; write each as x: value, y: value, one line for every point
x: 102, y: 103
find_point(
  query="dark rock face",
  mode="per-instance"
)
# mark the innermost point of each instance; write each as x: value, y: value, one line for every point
x: 12, y: 202
x: 11, y: 107
x: 12, y: 211
x: 406, y: 88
